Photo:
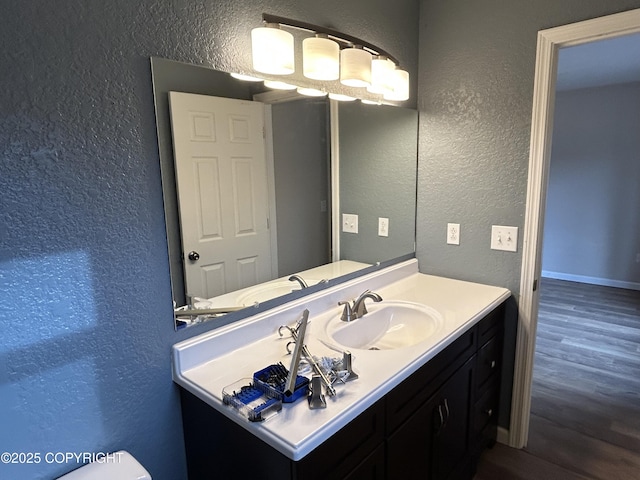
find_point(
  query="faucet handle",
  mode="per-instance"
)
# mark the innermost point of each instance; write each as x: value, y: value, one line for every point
x: 347, y: 313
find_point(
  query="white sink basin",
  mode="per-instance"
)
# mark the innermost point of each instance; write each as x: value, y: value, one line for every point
x: 388, y: 325
x: 267, y: 291
x: 262, y: 293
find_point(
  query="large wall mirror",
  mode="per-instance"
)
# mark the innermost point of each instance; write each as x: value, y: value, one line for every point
x: 317, y: 159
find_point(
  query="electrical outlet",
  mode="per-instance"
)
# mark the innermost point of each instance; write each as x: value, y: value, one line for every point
x: 349, y: 223
x: 504, y: 238
x: 383, y: 227
x: 637, y: 257
x: 453, y: 233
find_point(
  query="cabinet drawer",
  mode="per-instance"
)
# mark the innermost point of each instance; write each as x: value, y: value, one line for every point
x: 407, y: 397
x: 486, y: 409
x: 490, y: 325
x: 489, y: 361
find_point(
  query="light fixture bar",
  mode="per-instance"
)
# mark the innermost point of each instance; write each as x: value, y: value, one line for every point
x: 334, y: 34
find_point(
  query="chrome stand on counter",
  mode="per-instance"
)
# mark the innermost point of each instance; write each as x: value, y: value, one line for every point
x: 341, y: 371
x: 261, y: 396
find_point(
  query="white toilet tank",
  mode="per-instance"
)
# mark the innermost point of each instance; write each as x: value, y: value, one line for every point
x: 115, y: 466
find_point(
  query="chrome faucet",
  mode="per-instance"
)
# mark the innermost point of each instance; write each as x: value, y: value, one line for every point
x: 347, y: 313
x: 299, y: 279
x: 303, y: 284
x: 359, y: 308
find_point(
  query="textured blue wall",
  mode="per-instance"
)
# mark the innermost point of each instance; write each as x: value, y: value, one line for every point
x: 475, y: 99
x: 592, y: 226
x: 476, y: 67
x: 84, y: 282
x: 85, y: 300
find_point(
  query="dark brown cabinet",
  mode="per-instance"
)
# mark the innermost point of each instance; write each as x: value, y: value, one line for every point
x: 433, y: 425
x: 371, y: 468
x: 487, y: 383
x: 450, y: 420
x: 433, y: 442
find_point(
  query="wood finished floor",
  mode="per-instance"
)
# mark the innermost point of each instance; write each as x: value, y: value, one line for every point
x: 585, y: 407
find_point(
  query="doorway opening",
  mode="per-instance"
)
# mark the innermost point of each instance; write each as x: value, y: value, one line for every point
x: 549, y: 43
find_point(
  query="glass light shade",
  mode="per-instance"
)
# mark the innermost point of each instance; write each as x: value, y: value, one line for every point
x: 320, y: 58
x: 400, y: 86
x: 272, y: 50
x: 245, y: 78
x: 381, y: 75
x: 279, y: 85
x: 355, y: 67
x: 341, y: 98
x: 311, y: 92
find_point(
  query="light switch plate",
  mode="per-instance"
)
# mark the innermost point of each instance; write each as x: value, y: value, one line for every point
x: 504, y: 238
x: 349, y: 223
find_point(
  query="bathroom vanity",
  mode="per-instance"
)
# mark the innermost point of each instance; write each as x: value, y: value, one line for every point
x: 425, y: 405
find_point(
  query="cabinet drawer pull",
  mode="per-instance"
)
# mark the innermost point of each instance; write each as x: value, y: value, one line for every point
x: 441, y: 424
x: 446, y: 408
x: 489, y: 412
x: 443, y: 416
x: 493, y: 364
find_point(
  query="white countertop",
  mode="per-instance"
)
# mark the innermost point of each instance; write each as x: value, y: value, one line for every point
x: 205, y: 364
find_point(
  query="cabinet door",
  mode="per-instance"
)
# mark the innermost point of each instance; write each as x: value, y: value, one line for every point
x: 343, y: 453
x: 409, y: 447
x: 433, y: 442
x: 450, y: 411
x: 371, y: 468
x: 406, y: 398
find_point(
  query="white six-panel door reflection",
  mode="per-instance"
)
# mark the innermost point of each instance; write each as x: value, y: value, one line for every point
x: 221, y: 178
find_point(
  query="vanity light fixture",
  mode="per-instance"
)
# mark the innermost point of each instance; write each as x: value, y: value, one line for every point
x: 381, y: 75
x: 272, y: 50
x: 341, y: 98
x: 276, y: 85
x: 328, y: 55
x: 355, y: 67
x: 246, y: 78
x: 320, y: 58
x: 311, y: 92
x: 400, y: 81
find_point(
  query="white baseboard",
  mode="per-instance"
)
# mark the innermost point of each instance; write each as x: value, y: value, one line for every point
x: 605, y: 282
x: 503, y: 436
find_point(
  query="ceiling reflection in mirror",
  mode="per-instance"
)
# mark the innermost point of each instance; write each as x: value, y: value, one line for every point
x: 323, y: 159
